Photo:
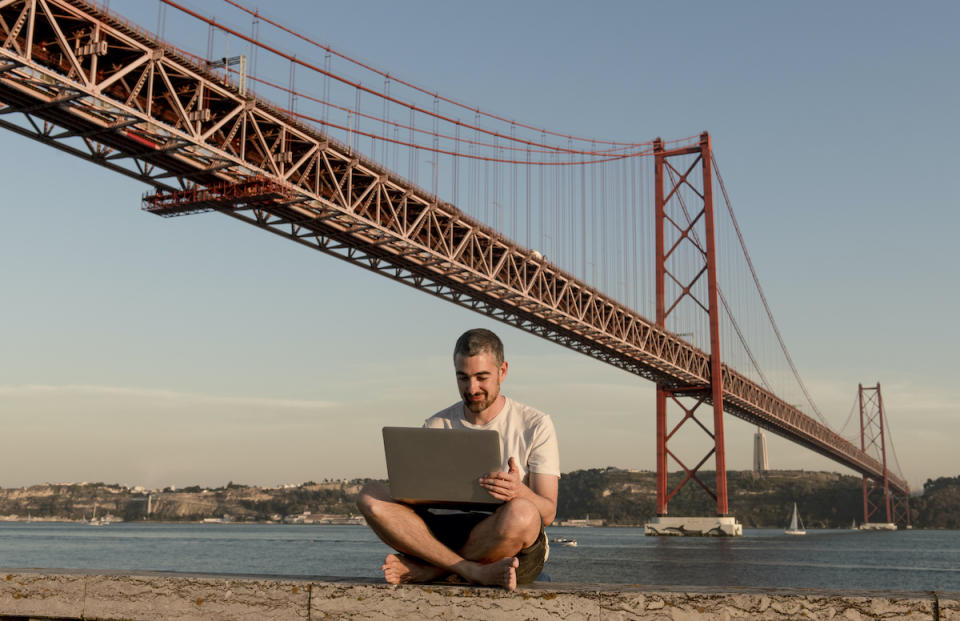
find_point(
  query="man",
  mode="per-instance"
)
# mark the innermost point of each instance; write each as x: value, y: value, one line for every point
x: 502, y: 548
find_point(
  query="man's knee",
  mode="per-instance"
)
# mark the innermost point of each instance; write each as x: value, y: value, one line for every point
x: 520, y: 518
x: 371, y: 499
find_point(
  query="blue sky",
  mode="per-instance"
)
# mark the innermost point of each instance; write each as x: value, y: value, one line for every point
x: 201, y: 350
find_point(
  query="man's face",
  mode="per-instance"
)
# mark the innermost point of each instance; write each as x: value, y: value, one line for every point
x: 478, y: 380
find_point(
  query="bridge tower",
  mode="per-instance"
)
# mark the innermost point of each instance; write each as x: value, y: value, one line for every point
x: 881, y: 509
x: 685, y: 227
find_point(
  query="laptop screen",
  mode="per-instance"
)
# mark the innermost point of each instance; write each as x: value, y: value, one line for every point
x: 440, y: 466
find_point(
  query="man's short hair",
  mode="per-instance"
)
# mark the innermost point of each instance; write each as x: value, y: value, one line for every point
x: 477, y: 341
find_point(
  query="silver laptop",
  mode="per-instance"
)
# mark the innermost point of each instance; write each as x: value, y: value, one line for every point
x: 441, y: 466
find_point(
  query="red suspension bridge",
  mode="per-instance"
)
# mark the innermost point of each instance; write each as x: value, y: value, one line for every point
x: 543, y: 230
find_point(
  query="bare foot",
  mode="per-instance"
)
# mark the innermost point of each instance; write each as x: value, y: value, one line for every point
x: 399, y: 569
x: 502, y: 573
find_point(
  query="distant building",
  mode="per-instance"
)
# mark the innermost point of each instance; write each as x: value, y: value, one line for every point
x: 760, y: 452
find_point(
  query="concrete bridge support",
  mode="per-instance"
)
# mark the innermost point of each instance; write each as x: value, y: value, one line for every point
x: 727, y: 526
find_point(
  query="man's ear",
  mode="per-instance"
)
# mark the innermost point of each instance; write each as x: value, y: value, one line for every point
x: 503, y: 370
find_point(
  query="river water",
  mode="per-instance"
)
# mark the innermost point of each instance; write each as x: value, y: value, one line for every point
x: 823, y: 559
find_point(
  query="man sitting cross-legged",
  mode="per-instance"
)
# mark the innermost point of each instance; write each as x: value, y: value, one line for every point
x: 503, y: 548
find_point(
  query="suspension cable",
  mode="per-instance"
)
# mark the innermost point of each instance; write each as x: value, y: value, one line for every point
x: 853, y: 407
x: 471, y: 109
x: 723, y: 298
x: 410, y: 106
x: 458, y: 154
x: 893, y: 449
x: 610, y: 156
x: 763, y: 297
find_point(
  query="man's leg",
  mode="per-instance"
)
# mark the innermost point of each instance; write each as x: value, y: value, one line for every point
x: 403, y: 530
x: 514, y: 530
x: 514, y: 526
x: 503, y: 534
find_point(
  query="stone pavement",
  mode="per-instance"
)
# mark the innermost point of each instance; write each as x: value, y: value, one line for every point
x: 145, y: 596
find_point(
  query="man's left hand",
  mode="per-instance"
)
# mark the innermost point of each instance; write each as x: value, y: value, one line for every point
x: 503, y: 485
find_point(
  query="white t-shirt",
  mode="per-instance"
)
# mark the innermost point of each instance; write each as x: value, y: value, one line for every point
x: 526, y: 434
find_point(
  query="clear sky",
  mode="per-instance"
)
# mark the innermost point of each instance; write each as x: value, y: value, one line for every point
x: 152, y: 352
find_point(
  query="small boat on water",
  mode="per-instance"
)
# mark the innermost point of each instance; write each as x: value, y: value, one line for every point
x: 564, y: 541
x: 796, y: 524
x: 99, y: 521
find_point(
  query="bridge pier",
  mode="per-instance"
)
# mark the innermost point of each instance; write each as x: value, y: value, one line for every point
x: 676, y: 526
x: 878, y: 526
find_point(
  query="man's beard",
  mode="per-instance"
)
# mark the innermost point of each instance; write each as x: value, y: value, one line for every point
x: 478, y: 406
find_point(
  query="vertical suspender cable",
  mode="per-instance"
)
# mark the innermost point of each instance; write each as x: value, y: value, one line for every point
x: 528, y: 208
x: 513, y: 191
x: 583, y: 222
x: 763, y: 297
x: 456, y: 166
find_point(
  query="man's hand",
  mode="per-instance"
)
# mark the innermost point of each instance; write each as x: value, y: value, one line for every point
x: 508, y: 486
x: 503, y: 485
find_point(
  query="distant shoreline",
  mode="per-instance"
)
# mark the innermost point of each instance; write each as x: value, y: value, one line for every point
x: 611, y: 497
x: 6, y: 520
x: 18, y: 520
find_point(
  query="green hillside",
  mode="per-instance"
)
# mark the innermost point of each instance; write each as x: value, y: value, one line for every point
x: 617, y: 497
x: 622, y: 497
x: 825, y: 499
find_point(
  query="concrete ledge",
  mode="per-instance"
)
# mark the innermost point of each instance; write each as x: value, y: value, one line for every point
x: 115, y: 596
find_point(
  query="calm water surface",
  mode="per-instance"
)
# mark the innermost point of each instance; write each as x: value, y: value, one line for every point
x: 834, y: 559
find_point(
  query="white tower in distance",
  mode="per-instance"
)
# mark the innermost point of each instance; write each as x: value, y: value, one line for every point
x: 760, y: 452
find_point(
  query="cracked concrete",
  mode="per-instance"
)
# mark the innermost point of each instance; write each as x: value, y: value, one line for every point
x: 145, y: 596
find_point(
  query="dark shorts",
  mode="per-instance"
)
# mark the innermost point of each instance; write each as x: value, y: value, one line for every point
x: 453, y: 530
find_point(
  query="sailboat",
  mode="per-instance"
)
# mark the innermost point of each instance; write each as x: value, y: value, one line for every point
x: 796, y: 524
x: 94, y: 521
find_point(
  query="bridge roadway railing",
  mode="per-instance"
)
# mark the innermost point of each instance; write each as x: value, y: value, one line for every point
x: 90, y: 84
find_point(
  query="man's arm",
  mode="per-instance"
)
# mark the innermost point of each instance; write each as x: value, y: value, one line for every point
x: 542, y: 491
x: 544, y: 488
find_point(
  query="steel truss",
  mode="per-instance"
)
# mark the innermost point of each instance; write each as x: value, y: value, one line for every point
x: 92, y: 85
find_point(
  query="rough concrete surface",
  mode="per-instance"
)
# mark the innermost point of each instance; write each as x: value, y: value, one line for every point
x: 54, y: 595
x: 115, y: 596
x: 381, y: 602
x: 948, y: 607
x: 762, y: 605
x: 151, y: 598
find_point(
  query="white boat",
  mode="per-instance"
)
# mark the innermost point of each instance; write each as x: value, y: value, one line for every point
x: 95, y: 521
x: 796, y: 524
x: 564, y: 541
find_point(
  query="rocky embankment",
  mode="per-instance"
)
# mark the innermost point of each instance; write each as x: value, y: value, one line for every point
x: 85, y: 501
